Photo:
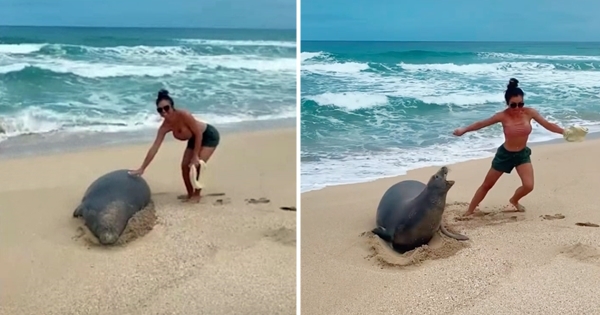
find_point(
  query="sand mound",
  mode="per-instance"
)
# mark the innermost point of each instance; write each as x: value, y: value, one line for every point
x: 138, y: 225
x: 439, y: 247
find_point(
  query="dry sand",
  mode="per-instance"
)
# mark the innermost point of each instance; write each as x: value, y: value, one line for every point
x: 519, y: 263
x: 222, y: 256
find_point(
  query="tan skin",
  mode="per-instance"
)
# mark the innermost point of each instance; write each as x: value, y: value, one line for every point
x: 184, y: 126
x: 509, y: 117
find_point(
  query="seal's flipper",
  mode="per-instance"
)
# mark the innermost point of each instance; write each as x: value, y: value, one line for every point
x: 456, y: 236
x: 78, y: 211
x: 382, y: 233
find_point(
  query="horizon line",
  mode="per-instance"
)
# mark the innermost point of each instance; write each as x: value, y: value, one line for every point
x: 157, y: 27
x: 444, y: 41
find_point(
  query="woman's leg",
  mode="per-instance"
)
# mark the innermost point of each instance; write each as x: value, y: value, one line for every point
x: 204, y: 155
x: 185, y: 173
x: 525, y: 172
x: 490, y: 180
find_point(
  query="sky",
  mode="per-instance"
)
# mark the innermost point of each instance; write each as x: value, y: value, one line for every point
x: 456, y: 20
x: 272, y: 14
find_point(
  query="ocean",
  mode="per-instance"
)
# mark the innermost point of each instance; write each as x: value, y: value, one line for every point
x: 378, y: 109
x: 64, y: 81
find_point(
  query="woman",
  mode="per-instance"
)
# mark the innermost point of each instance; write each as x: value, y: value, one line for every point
x: 202, y: 140
x: 513, y: 153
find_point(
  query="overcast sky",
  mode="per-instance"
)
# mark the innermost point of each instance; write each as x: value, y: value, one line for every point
x: 456, y: 20
x: 151, y: 13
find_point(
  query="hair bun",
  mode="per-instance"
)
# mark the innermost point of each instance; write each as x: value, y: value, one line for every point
x: 513, y: 83
x: 163, y: 93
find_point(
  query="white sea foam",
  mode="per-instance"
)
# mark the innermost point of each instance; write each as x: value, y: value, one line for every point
x: 239, y: 42
x: 393, y: 162
x: 37, y: 120
x: 350, y: 100
x: 411, y: 134
x: 20, y: 48
x: 223, y: 89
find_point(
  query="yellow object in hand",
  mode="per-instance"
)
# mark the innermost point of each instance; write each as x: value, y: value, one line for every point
x: 575, y: 133
x: 197, y: 176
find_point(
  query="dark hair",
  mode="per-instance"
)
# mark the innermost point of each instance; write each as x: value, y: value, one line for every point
x: 164, y: 95
x: 512, y: 90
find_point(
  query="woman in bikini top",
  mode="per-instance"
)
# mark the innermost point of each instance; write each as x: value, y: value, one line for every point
x: 514, y: 152
x: 202, y: 140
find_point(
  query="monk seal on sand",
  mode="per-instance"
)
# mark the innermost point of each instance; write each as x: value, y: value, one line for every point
x: 410, y: 212
x: 109, y: 203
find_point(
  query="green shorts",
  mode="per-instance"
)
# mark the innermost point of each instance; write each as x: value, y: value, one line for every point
x: 505, y: 161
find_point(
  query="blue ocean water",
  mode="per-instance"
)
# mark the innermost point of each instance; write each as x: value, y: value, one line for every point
x: 105, y: 80
x: 378, y: 109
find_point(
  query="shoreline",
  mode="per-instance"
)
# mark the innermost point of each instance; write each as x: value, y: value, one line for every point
x: 590, y: 137
x: 63, y: 142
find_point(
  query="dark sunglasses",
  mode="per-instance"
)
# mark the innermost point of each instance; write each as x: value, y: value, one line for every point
x: 164, y: 109
x: 515, y: 105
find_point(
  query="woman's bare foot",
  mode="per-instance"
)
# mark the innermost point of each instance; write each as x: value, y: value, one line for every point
x: 468, y: 213
x: 471, y: 212
x: 194, y: 199
x: 183, y: 197
x: 514, y: 207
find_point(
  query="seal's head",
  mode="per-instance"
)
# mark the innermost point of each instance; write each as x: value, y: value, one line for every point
x: 105, y: 233
x: 106, y: 224
x: 438, y: 181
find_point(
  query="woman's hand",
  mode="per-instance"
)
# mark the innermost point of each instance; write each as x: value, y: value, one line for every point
x: 459, y: 132
x: 137, y: 172
x: 195, y: 161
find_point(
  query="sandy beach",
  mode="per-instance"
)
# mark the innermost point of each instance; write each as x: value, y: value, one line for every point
x: 537, y: 262
x: 222, y: 256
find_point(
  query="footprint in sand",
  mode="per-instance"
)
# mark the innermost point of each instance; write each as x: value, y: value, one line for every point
x: 221, y: 202
x: 80, y: 232
x: 557, y: 216
x: 581, y: 252
x: 214, y: 195
x: 589, y: 224
x: 282, y: 235
x: 257, y: 201
x: 183, y: 197
x: 455, y: 219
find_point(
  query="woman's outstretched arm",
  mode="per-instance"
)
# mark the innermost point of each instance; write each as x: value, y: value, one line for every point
x: 478, y: 125
x: 160, y: 137
x: 544, y: 123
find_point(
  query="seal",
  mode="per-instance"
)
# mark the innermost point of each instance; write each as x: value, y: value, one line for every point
x: 109, y: 203
x: 410, y: 212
